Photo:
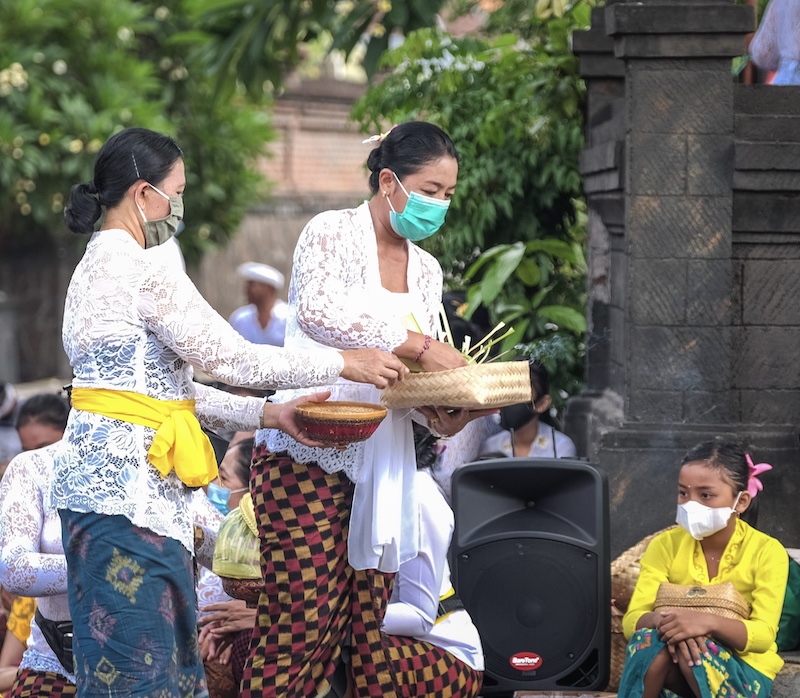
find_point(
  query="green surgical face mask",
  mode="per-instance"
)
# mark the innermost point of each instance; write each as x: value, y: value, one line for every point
x: 159, y: 231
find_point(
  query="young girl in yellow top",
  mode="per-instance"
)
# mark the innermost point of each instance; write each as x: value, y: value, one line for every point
x: 700, y: 655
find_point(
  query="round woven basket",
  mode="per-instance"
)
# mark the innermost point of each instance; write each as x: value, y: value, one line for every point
x: 618, y: 648
x: 624, y: 574
x: 470, y: 387
x: 340, y: 423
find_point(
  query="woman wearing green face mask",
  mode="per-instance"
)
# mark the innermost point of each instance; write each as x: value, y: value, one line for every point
x: 358, y: 280
x: 134, y: 327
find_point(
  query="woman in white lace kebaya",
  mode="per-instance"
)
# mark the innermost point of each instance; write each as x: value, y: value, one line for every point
x: 133, y: 329
x: 32, y: 563
x: 357, y: 281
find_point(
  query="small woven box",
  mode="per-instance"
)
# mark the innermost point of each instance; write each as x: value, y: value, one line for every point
x: 720, y: 599
x: 475, y: 386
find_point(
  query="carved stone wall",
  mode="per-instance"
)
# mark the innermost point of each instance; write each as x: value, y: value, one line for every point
x: 694, y: 258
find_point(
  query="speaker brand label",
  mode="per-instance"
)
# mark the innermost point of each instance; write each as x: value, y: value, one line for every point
x: 526, y: 661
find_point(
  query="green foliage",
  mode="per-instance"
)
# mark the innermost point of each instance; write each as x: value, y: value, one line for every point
x: 73, y: 73
x: 257, y: 43
x: 516, y: 229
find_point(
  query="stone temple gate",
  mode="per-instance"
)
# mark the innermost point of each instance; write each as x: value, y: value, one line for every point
x: 693, y: 187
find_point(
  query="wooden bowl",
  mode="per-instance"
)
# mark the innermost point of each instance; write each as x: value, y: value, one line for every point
x: 247, y: 590
x: 340, y: 423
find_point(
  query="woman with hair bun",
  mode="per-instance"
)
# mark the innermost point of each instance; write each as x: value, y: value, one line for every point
x: 333, y: 519
x: 133, y: 329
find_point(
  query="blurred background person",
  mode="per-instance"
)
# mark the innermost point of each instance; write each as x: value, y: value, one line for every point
x: 263, y: 320
x: 527, y: 429
x: 226, y: 624
x: 776, y: 44
x: 31, y: 556
x: 41, y: 420
x: 9, y: 439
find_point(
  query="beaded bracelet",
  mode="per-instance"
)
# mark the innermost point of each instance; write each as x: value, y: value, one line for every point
x: 425, y: 347
x: 261, y: 414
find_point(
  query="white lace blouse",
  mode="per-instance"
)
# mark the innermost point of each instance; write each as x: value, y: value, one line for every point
x: 32, y: 561
x: 133, y: 322
x: 337, y: 300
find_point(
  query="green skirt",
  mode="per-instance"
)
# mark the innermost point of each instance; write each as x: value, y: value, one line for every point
x: 724, y: 675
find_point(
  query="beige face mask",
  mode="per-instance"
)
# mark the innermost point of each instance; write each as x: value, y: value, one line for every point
x: 159, y: 231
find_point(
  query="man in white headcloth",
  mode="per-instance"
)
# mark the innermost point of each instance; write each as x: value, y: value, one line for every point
x: 9, y: 439
x: 263, y: 321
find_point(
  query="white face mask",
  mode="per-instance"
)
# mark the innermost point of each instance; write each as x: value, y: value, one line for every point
x: 700, y: 521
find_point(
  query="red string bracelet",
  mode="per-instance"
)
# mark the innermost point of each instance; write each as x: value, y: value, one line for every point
x: 425, y: 347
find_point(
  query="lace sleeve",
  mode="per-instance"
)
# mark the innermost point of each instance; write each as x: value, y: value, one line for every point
x: 221, y: 411
x: 328, y: 265
x: 764, y: 47
x: 24, y: 569
x: 181, y: 318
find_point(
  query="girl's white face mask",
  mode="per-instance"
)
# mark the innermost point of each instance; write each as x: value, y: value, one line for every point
x: 700, y: 521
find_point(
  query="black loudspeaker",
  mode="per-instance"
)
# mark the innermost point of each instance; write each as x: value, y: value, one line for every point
x: 530, y: 560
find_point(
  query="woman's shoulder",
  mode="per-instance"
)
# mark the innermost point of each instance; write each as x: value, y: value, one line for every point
x: 758, y: 540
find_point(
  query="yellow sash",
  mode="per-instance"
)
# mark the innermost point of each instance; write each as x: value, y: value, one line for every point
x: 179, y: 442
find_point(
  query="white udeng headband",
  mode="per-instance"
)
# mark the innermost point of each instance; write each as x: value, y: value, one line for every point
x: 9, y: 400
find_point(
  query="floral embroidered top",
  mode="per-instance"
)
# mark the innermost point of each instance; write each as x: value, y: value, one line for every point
x: 32, y: 559
x: 776, y: 44
x: 133, y: 322
x: 758, y: 566
x: 337, y: 301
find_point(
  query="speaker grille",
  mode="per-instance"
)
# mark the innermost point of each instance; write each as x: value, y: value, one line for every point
x: 531, y: 597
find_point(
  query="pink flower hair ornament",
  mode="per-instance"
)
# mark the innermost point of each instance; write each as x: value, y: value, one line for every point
x: 754, y: 485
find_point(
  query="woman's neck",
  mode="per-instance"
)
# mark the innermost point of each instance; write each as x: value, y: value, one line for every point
x: 121, y: 220
x: 525, y: 436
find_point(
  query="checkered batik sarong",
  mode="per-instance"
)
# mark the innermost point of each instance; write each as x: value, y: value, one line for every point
x: 132, y: 601
x: 393, y: 666
x: 304, y: 610
x: 42, y: 684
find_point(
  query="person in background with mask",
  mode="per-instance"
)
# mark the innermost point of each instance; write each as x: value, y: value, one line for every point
x: 701, y: 654
x: 327, y: 516
x: 134, y: 327
x: 527, y: 431
x: 226, y: 624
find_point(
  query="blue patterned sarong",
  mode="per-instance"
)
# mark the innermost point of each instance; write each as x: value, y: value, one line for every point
x: 725, y: 675
x: 132, y: 601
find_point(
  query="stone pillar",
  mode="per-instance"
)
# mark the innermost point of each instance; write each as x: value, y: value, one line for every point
x: 658, y: 176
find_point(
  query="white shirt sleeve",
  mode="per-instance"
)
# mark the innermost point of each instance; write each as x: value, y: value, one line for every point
x: 414, y: 604
x: 24, y: 569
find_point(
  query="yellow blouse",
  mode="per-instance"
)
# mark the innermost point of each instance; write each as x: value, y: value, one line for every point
x: 19, y: 620
x: 758, y: 566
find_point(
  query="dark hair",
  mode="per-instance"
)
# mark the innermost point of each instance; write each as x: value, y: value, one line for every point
x: 730, y: 458
x: 425, y: 447
x: 244, y: 458
x: 125, y: 158
x: 540, y: 378
x: 46, y: 408
x: 407, y: 149
x: 477, y: 327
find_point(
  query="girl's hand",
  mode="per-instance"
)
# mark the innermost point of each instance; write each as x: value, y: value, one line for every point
x: 681, y: 624
x: 444, y: 422
x: 228, y: 617
x: 690, y: 651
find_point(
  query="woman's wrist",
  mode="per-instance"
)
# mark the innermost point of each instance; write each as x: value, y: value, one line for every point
x: 426, y: 344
